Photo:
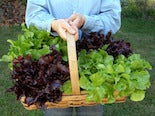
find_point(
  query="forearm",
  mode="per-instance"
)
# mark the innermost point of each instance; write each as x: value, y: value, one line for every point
x: 108, y: 20
x: 37, y: 14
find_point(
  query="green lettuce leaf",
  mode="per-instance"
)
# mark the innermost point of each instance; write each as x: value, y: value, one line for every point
x: 137, y: 95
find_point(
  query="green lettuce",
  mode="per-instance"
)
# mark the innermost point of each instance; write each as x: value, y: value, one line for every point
x: 102, y: 74
x: 34, y: 42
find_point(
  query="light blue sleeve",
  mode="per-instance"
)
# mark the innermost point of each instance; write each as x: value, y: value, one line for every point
x: 38, y: 15
x: 109, y: 18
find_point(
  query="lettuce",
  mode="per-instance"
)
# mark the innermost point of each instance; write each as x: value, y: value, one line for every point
x: 102, y: 74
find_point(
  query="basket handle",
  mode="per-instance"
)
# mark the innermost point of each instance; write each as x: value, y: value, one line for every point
x: 73, y: 67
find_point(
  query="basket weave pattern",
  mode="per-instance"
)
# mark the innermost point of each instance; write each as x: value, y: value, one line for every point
x: 70, y: 101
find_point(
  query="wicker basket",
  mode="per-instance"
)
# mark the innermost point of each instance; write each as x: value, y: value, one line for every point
x: 77, y: 98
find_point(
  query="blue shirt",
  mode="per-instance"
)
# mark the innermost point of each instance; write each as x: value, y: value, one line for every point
x: 101, y: 15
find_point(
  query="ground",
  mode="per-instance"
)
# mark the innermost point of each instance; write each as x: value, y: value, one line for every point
x: 141, y: 34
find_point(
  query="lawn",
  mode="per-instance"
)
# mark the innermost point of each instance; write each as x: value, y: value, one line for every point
x: 141, y: 34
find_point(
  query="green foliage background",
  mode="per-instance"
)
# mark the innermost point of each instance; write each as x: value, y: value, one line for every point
x: 138, y: 9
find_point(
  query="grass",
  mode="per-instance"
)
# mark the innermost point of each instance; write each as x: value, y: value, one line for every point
x: 141, y: 34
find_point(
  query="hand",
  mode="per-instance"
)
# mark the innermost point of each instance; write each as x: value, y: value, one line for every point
x: 61, y: 26
x: 77, y: 20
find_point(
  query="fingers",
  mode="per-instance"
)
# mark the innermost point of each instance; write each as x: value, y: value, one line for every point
x: 61, y: 26
x: 72, y: 29
x: 72, y: 17
x: 76, y: 36
x: 67, y: 27
x: 62, y: 33
x: 77, y: 20
x: 76, y: 29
